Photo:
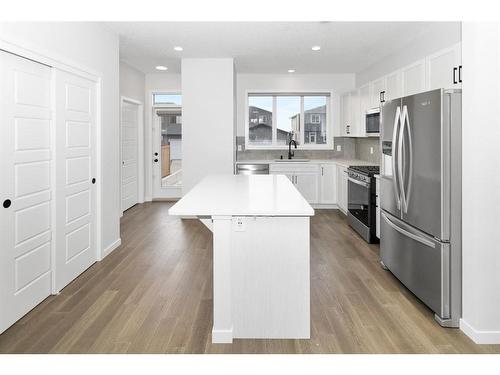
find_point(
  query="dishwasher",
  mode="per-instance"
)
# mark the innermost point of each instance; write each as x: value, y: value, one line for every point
x: 252, y: 168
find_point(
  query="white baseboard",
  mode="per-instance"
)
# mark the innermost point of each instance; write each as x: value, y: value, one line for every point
x: 222, y: 336
x: 111, y: 247
x: 480, y: 337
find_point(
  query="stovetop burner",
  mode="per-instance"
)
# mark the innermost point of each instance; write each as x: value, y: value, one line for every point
x: 367, y: 170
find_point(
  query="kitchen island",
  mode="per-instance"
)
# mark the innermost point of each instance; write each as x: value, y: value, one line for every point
x: 261, y: 281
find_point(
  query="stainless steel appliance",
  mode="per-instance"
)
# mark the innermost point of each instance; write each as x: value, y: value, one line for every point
x: 252, y: 168
x: 372, y: 122
x: 420, y: 182
x: 361, y: 201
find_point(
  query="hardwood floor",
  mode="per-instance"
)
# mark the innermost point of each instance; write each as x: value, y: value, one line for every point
x: 154, y: 295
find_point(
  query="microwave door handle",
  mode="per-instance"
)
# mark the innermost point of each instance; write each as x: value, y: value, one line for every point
x: 397, y: 120
x: 407, y: 127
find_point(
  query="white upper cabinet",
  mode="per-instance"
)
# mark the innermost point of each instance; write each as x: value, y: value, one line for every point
x: 364, y: 100
x: 357, y: 128
x: 345, y: 114
x: 351, y: 115
x: 444, y: 69
x: 392, y: 86
x: 413, y: 78
x: 377, y: 90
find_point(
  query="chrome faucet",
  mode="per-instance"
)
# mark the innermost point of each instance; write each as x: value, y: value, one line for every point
x: 290, y: 152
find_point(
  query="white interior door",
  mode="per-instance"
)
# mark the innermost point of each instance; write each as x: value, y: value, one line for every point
x: 129, y: 145
x: 25, y: 186
x: 75, y: 181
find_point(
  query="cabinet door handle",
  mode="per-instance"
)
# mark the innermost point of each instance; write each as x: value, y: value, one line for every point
x: 455, y: 75
x: 322, y: 171
x: 460, y: 73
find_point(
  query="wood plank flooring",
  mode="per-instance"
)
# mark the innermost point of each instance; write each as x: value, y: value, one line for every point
x: 154, y: 295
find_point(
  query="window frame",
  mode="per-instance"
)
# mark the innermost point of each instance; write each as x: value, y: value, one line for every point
x: 302, y: 93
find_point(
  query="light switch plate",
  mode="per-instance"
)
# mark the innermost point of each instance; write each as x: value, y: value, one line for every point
x: 339, y: 148
x: 371, y: 150
x: 240, y: 224
x: 239, y: 148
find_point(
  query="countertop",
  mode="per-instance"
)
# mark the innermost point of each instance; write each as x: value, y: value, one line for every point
x: 241, y: 195
x: 343, y: 162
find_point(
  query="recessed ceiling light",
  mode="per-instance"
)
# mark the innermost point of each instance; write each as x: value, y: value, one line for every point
x: 316, y: 48
x: 291, y: 70
x: 161, y: 67
x: 178, y: 48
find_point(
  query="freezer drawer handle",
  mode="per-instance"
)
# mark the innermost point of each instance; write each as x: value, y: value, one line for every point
x: 408, y: 234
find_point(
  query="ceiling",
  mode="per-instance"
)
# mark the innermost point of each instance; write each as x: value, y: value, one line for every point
x: 265, y: 47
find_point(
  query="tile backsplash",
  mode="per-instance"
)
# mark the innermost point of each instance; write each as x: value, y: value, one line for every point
x: 351, y: 148
x: 363, y: 146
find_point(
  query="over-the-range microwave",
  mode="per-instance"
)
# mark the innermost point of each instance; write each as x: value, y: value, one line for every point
x: 372, y: 122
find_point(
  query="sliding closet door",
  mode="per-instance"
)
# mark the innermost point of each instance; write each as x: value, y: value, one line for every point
x: 26, y: 188
x: 76, y: 179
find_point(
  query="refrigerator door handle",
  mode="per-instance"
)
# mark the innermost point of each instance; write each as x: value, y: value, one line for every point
x: 397, y: 121
x: 400, y: 161
x: 404, y: 232
x: 407, y: 128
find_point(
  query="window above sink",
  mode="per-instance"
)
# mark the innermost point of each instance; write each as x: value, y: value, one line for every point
x: 275, y: 118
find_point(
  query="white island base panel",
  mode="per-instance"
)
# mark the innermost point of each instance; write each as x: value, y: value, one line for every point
x: 261, y: 277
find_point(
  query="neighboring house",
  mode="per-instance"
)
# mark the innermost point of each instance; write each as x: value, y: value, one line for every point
x: 261, y: 126
x: 315, y: 125
x: 171, y: 129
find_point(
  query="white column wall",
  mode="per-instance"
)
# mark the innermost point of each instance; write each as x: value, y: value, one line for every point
x: 207, y: 119
x: 481, y: 181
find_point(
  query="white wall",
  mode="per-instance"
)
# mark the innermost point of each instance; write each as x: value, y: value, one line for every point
x: 207, y: 119
x: 91, y: 46
x: 338, y: 83
x: 441, y: 35
x: 481, y: 182
x: 132, y: 82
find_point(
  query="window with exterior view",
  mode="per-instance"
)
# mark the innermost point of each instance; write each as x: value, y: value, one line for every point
x: 260, y: 120
x: 315, y: 126
x: 275, y: 119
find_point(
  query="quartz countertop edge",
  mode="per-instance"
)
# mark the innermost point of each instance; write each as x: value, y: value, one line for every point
x: 242, y: 195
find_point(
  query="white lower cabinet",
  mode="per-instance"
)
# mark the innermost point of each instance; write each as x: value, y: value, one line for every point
x: 342, y: 188
x: 317, y: 182
x: 328, y: 183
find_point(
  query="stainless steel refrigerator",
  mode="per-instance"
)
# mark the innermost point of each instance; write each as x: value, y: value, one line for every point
x: 420, y: 198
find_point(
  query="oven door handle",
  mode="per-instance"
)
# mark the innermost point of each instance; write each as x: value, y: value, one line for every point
x: 366, y: 185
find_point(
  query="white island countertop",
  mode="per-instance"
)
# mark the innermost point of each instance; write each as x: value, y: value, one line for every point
x: 241, y: 195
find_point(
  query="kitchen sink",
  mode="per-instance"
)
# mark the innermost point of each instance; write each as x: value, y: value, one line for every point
x: 292, y: 160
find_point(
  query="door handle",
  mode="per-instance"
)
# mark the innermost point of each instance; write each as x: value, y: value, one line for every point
x: 156, y: 154
x: 6, y: 203
x: 156, y: 160
x: 460, y: 73
x: 397, y: 121
x: 93, y: 181
x: 455, y: 75
x: 407, y: 128
x: 404, y: 232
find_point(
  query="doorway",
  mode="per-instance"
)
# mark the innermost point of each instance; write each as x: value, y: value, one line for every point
x: 132, y: 160
x: 167, y: 146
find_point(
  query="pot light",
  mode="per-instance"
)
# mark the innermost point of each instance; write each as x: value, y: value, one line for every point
x: 161, y: 67
x: 178, y: 48
x: 291, y: 70
x: 316, y: 48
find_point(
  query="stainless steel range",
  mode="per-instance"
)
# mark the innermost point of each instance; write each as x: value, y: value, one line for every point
x: 361, y: 201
